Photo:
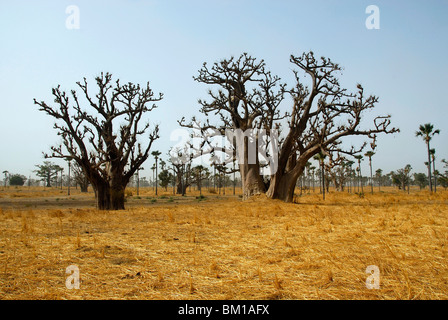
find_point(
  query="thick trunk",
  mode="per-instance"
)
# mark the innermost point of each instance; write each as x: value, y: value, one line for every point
x: 181, y: 186
x: 282, y: 187
x: 48, y: 181
x: 109, y: 198
x: 181, y: 189
x: 83, y: 184
x: 117, y: 197
x: 283, y: 183
x: 102, y: 196
x: 84, y: 187
x: 251, y: 180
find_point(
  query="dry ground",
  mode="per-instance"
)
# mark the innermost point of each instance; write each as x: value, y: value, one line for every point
x: 223, y: 248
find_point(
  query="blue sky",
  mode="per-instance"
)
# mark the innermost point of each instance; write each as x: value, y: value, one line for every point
x: 166, y: 42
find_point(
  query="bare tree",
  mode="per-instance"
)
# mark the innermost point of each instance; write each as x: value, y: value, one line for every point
x: 108, y: 157
x: 199, y: 173
x: 337, y: 169
x: 247, y: 100
x: 321, y: 116
x: 80, y: 178
x: 181, y: 164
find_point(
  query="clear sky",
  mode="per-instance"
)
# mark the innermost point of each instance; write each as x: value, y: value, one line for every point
x: 166, y: 42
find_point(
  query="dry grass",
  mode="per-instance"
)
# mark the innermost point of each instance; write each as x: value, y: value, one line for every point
x: 223, y: 248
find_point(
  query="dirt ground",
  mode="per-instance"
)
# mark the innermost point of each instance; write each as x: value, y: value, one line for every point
x: 219, y: 247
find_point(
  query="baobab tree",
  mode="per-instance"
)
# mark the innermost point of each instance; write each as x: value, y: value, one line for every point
x: 109, y: 156
x: 426, y: 131
x: 335, y: 168
x: 247, y: 100
x: 319, y: 117
x: 181, y: 164
x: 199, y: 173
x: 80, y: 177
x: 48, y: 171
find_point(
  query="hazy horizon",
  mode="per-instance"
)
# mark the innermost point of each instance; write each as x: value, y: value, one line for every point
x: 166, y: 43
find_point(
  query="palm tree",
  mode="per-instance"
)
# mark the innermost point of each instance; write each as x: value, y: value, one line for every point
x: 138, y: 180
x: 313, y: 169
x: 320, y: 157
x: 153, y: 168
x: 379, y: 175
x: 433, y: 159
x: 350, y: 164
x: 359, y: 158
x: 370, y: 154
x: 156, y: 155
x: 426, y: 131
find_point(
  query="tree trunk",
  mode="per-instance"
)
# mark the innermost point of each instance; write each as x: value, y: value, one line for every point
x: 251, y: 180
x: 429, y: 166
x: 283, y: 184
x: 109, y: 198
x: 84, y: 187
x: 48, y: 180
x: 282, y: 187
x: 181, y: 185
x: 102, y: 195
x: 83, y: 184
x: 117, y: 197
x: 181, y: 189
x: 435, y: 176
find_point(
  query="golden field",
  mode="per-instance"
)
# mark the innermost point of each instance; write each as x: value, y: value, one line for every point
x: 172, y: 247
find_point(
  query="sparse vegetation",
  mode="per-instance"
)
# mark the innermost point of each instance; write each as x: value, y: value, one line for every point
x: 227, y: 248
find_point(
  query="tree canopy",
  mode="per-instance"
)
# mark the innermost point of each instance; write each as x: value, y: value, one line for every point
x: 104, y: 140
